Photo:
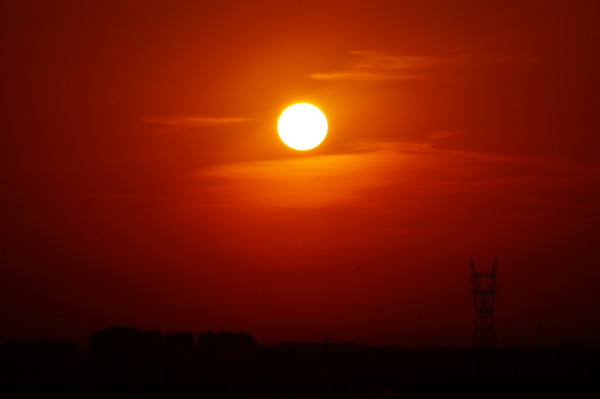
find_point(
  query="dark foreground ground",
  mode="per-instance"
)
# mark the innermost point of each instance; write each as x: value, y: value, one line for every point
x: 53, y: 369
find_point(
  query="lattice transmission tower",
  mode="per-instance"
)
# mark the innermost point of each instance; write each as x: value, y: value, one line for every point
x: 484, y: 292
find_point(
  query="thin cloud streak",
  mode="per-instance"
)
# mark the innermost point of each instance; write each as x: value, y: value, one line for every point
x: 372, y: 65
x: 193, y: 121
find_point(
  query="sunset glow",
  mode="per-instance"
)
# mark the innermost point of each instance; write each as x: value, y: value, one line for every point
x: 228, y: 165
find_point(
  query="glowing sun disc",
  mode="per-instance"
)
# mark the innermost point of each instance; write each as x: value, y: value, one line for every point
x: 302, y: 126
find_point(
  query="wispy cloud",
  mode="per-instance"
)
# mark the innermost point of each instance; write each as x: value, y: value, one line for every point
x: 376, y: 65
x: 442, y: 135
x: 391, y: 172
x: 372, y: 65
x: 192, y: 121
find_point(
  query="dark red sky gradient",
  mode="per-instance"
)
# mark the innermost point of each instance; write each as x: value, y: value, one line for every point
x: 144, y: 184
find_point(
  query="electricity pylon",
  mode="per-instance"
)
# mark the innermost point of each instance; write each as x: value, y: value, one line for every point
x: 484, y: 291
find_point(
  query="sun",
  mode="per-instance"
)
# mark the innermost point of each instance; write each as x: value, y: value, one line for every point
x: 302, y: 126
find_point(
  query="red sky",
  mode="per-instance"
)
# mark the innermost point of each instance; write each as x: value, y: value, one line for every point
x: 144, y: 182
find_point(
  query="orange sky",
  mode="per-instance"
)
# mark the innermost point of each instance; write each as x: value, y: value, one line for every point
x: 144, y: 182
